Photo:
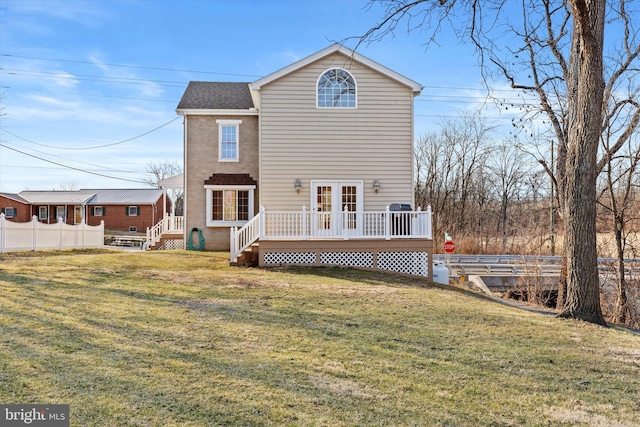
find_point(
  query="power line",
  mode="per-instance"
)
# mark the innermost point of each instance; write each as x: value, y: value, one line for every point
x: 479, y: 88
x: 101, y: 167
x: 71, y: 167
x: 130, y: 66
x: 94, y: 147
x: 105, y: 79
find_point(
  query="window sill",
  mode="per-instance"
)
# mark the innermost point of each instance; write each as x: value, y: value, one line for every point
x: 226, y: 223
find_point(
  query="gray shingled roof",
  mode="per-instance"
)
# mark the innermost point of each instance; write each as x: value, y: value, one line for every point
x: 216, y: 96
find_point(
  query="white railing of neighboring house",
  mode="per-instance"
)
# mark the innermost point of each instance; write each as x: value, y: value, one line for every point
x: 170, y: 224
x: 304, y: 224
x: 34, y: 235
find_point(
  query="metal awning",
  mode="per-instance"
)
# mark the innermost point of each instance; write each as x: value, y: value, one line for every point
x: 175, y: 182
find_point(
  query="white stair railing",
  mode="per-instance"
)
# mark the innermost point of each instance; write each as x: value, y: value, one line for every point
x: 241, y: 239
x: 171, y: 224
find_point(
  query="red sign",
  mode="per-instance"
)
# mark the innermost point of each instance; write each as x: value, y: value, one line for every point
x: 449, y: 246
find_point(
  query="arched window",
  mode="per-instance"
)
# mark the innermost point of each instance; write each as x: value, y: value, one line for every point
x: 337, y: 88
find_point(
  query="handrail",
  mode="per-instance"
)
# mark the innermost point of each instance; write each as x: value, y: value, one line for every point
x: 170, y: 224
x: 304, y: 224
x: 241, y: 239
x: 386, y: 224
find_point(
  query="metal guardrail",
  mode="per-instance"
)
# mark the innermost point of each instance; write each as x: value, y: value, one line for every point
x: 516, y: 259
x: 517, y: 265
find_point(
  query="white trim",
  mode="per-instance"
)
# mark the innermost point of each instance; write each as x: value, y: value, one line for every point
x: 354, y: 82
x: 230, y: 187
x: 228, y: 123
x: 64, y: 212
x: 415, y: 86
x: 41, y: 210
x: 185, y: 174
x: 209, y: 204
x: 336, y: 205
x: 210, y: 112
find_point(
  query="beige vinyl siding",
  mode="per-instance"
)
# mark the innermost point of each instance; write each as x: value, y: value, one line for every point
x: 300, y: 141
x: 202, y: 162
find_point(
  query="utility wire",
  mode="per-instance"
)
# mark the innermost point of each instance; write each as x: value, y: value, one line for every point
x: 71, y: 167
x: 129, y: 66
x: 94, y: 147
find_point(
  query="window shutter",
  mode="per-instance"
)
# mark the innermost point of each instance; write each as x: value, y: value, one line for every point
x: 137, y: 210
x: 93, y: 211
x: 2, y: 210
x: 126, y: 210
x: 104, y: 210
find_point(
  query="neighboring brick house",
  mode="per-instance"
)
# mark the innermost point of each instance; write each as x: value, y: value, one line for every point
x: 129, y: 210
x: 14, y: 207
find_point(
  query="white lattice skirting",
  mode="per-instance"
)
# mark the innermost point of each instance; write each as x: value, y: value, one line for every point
x: 414, y: 263
x: 277, y: 258
x: 170, y: 244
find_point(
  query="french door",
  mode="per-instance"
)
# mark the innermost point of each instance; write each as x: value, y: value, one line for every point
x: 337, y: 208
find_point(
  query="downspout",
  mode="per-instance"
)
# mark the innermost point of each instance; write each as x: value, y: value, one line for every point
x: 184, y: 181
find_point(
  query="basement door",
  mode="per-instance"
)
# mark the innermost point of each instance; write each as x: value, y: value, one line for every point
x: 329, y: 201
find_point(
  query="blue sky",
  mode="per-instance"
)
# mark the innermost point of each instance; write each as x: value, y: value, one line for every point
x: 93, y: 84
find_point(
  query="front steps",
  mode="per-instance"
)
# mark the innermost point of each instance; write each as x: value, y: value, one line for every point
x: 169, y: 241
x: 248, y: 258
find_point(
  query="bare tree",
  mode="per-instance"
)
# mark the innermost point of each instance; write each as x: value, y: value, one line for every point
x: 449, y: 166
x: 619, y: 197
x: 162, y: 170
x: 555, y: 54
x: 69, y: 186
x: 509, y: 169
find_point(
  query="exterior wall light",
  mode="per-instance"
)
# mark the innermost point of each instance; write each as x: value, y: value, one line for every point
x: 298, y: 185
x: 376, y: 185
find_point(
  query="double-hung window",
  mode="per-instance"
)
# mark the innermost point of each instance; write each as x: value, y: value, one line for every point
x: 43, y: 213
x: 61, y: 212
x: 229, y: 206
x: 228, y: 140
x: 9, y: 212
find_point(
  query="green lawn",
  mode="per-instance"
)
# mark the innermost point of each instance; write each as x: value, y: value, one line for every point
x: 180, y: 338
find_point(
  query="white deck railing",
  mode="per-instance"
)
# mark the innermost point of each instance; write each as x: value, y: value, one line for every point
x: 34, y: 235
x: 242, y: 238
x: 304, y: 224
x: 170, y: 224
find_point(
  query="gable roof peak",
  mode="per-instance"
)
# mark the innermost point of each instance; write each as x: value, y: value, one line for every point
x: 337, y: 48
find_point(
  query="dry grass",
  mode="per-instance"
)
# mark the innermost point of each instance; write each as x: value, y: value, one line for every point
x: 180, y: 338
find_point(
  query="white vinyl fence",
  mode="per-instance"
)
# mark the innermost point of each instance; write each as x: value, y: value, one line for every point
x: 34, y: 235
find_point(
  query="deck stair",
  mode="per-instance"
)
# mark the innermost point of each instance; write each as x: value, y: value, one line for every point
x: 168, y: 233
x: 248, y: 257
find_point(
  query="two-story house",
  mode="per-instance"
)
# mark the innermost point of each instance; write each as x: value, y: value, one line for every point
x: 314, y: 160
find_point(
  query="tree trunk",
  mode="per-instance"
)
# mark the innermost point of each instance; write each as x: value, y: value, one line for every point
x: 586, y: 90
x: 620, y: 313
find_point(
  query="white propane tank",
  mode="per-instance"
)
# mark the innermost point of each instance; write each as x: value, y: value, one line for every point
x: 440, y: 273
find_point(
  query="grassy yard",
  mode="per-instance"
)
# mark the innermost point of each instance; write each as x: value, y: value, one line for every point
x: 180, y: 338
